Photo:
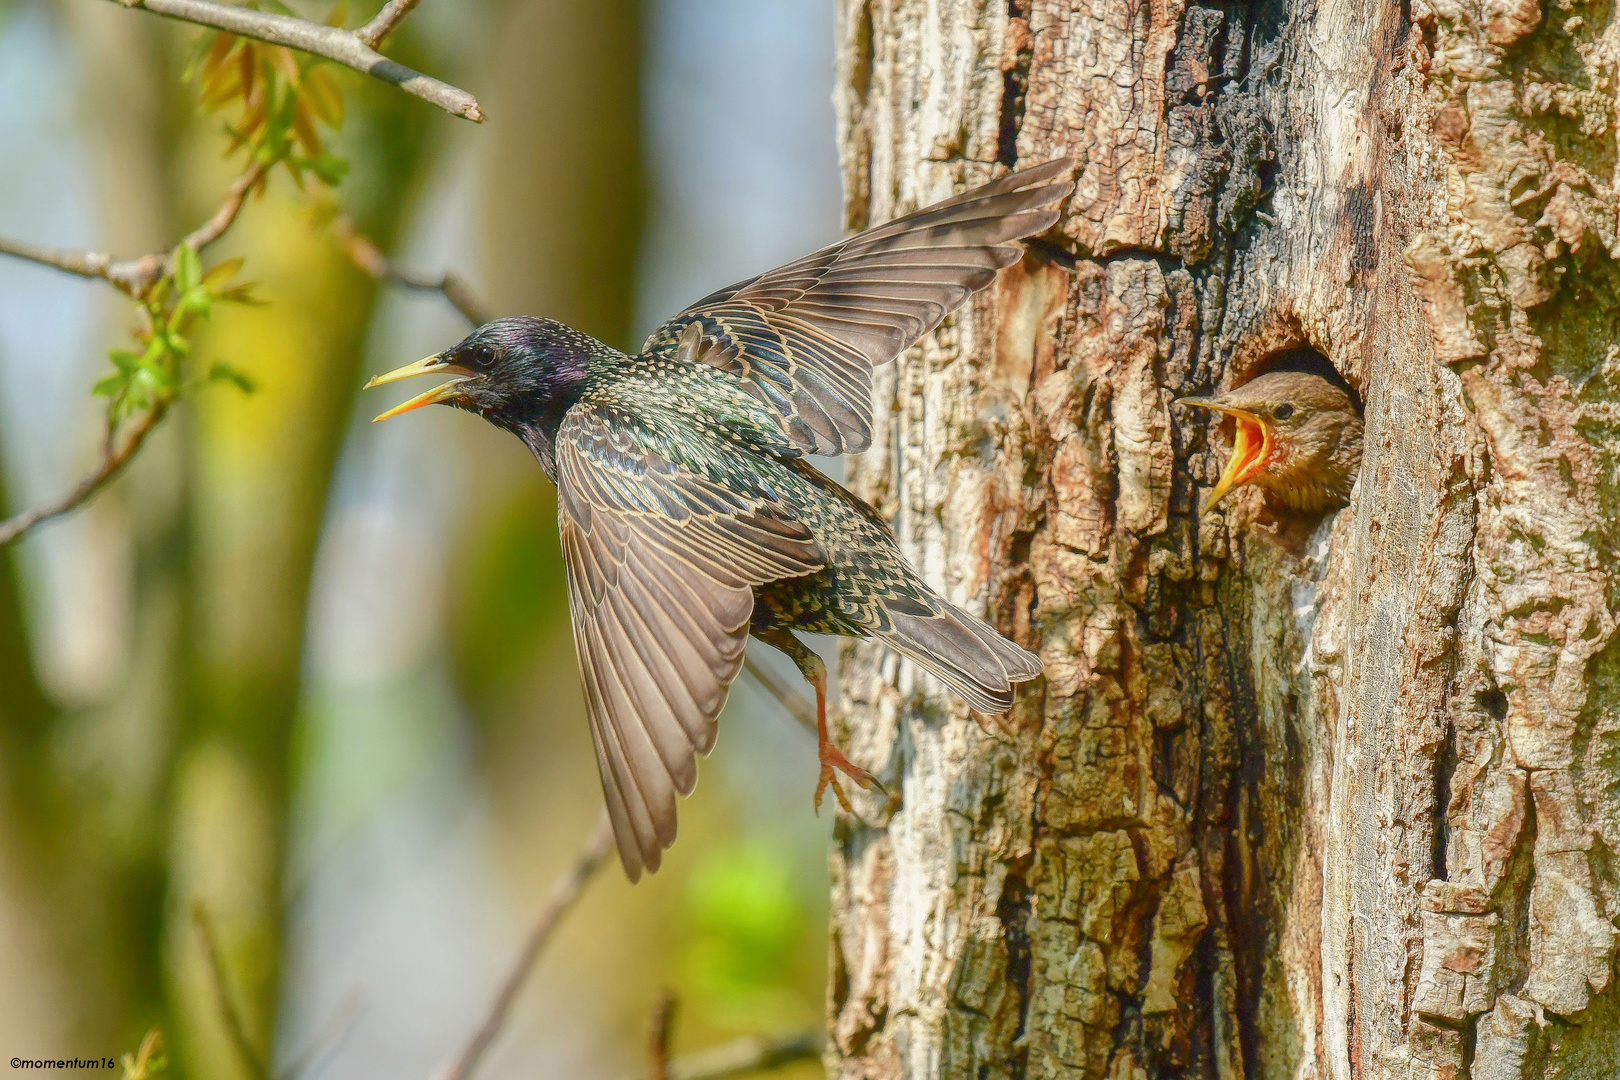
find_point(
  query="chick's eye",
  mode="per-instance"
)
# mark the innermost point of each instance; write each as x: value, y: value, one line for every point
x: 1283, y: 411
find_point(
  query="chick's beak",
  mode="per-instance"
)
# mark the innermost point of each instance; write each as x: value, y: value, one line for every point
x: 1251, y: 447
x: 431, y: 365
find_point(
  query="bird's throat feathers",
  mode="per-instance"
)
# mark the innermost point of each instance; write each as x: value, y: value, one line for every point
x: 532, y: 372
x: 542, y: 411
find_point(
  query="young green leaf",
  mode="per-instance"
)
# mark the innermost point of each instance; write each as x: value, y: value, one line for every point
x: 223, y: 372
x: 330, y: 168
x: 187, y: 268
x: 221, y: 272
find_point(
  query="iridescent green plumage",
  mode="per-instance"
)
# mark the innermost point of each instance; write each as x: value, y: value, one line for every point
x: 689, y: 514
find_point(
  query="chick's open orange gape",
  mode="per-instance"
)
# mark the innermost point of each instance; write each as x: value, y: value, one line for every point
x: 1296, y: 434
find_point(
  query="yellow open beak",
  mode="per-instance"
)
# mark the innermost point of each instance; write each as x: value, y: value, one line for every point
x: 431, y: 365
x: 1251, y: 447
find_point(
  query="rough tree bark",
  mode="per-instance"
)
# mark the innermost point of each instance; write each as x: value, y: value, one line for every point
x: 1293, y: 800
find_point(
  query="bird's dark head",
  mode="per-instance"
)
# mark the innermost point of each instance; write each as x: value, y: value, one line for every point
x: 1298, y: 435
x: 521, y: 374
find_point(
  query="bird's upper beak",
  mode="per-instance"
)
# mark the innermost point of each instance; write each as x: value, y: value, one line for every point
x: 1251, y: 446
x: 431, y: 365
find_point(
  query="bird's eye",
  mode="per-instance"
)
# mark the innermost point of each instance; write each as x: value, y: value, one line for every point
x: 1283, y: 411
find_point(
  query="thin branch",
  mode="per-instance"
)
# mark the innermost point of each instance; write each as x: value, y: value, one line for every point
x: 329, y: 1039
x: 563, y: 894
x: 392, y: 14
x: 658, y: 1042
x: 367, y: 257
x: 135, y: 276
x: 222, y: 992
x: 225, y: 216
x: 746, y: 1055
x: 90, y: 264
x: 132, y: 276
x: 112, y: 461
x: 346, y: 47
x: 776, y: 686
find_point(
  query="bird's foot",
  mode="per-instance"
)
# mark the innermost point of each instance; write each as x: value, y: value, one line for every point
x: 834, y: 762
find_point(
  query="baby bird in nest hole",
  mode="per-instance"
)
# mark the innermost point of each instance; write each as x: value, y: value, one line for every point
x: 1298, y: 437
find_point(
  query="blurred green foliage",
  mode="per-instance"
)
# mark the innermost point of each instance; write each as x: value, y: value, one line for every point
x: 746, y: 921
x: 508, y: 594
x: 279, y: 97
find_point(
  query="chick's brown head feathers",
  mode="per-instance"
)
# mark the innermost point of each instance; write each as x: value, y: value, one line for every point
x: 1297, y: 435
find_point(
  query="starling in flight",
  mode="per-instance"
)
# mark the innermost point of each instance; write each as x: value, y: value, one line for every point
x: 1298, y: 436
x: 688, y: 512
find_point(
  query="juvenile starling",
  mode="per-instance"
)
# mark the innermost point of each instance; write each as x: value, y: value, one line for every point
x: 689, y: 515
x: 1298, y: 436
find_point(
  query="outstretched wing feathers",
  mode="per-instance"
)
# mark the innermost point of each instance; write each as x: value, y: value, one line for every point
x: 662, y: 560
x: 661, y: 567
x: 805, y: 337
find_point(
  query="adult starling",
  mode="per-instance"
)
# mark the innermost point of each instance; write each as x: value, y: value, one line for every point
x: 1298, y: 436
x: 689, y: 515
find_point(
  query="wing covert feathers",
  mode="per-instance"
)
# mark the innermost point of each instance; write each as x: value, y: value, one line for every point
x: 805, y: 337
x: 661, y: 564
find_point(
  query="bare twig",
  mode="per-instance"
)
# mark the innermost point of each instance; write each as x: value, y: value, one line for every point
x: 113, y: 459
x: 392, y: 14
x: 90, y: 264
x: 327, y: 1041
x: 345, y: 47
x: 368, y: 258
x: 222, y: 992
x: 658, y: 1042
x: 563, y: 894
x: 746, y: 1055
x: 134, y: 276
x: 776, y: 686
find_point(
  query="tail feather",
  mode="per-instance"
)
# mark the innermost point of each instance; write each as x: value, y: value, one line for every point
x: 965, y: 653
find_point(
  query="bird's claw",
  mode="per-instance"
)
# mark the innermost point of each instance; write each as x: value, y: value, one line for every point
x: 834, y: 762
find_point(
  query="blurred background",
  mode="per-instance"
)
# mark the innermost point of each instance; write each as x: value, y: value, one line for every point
x: 317, y: 674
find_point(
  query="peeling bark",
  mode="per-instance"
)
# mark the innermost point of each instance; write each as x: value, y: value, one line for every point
x: 1295, y: 799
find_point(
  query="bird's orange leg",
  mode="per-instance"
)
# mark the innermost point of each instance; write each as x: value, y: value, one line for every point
x: 833, y: 760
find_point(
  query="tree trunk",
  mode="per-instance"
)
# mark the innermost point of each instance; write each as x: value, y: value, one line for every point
x: 1292, y: 801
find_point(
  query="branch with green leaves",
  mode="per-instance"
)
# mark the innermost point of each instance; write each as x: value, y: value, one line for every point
x: 355, y: 49
x: 144, y: 383
x: 275, y: 102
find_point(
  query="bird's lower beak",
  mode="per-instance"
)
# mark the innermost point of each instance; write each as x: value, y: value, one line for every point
x: 432, y: 365
x: 1251, y: 447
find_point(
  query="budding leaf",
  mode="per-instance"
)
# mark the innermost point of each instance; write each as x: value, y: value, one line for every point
x: 220, y: 273
x: 187, y: 268
x: 223, y: 372
x: 330, y: 168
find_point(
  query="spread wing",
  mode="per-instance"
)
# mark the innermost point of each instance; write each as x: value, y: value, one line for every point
x: 660, y: 566
x: 805, y: 337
